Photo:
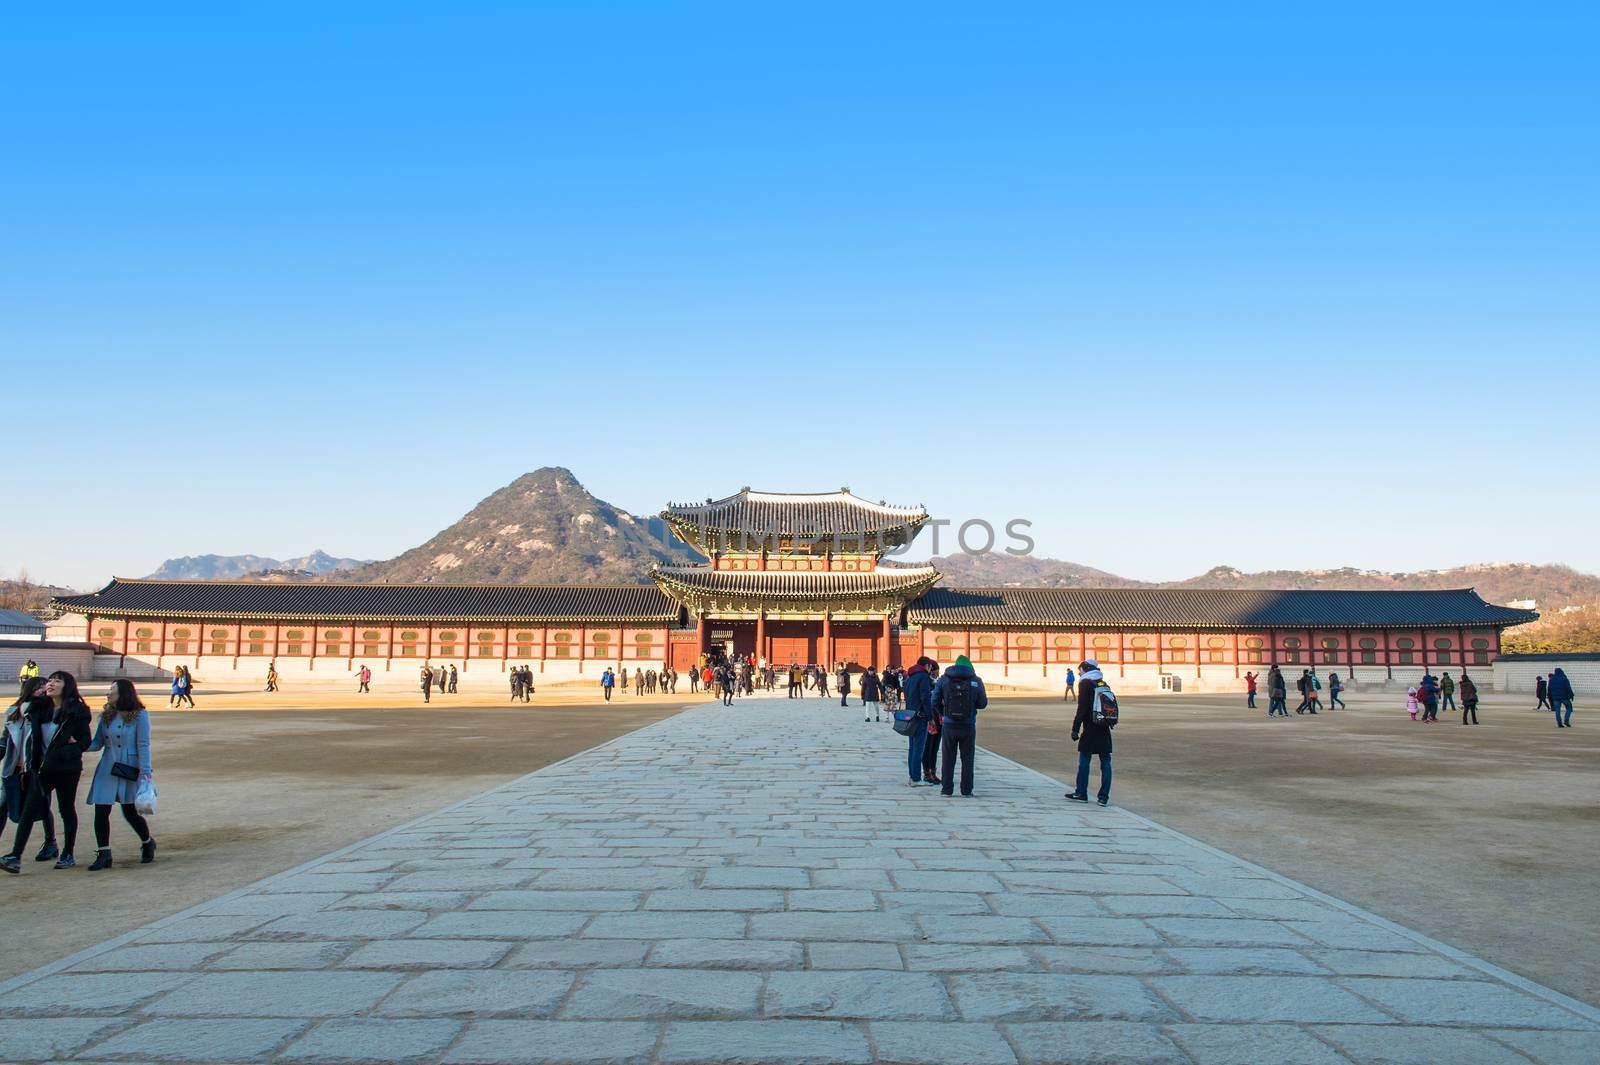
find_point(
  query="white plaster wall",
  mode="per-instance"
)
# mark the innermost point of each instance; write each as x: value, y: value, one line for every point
x: 1520, y: 676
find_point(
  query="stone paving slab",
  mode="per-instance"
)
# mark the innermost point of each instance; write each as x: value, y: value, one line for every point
x: 725, y: 887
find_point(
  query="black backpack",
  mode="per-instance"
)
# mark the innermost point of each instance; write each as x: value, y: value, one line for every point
x: 1105, y: 706
x: 960, y: 702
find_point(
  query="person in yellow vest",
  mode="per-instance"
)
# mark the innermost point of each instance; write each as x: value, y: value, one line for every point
x: 29, y: 670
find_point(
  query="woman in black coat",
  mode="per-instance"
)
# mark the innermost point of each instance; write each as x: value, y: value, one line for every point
x: 1093, y: 739
x: 60, y: 735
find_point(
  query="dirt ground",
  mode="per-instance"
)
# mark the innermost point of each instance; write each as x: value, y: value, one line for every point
x: 247, y: 794
x: 1486, y: 838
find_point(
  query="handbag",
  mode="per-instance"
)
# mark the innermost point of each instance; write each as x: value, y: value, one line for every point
x: 124, y: 771
x: 905, y: 722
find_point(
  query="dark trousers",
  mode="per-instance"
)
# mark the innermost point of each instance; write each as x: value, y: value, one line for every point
x: 930, y: 758
x: 607, y: 690
x: 844, y: 698
x: 1469, y: 708
x: 1251, y: 701
x: 1449, y: 702
x: 37, y: 807
x: 794, y: 689
x: 965, y: 743
x: 102, y: 823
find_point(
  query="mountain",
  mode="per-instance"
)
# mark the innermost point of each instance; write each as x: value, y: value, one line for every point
x: 542, y: 528
x: 1551, y: 587
x: 235, y: 567
x: 995, y: 570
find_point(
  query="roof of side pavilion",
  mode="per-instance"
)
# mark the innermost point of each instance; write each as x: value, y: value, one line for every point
x: 697, y: 584
x: 749, y: 516
x: 1210, y: 608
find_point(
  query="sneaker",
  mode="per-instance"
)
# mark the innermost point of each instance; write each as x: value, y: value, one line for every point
x: 1075, y: 797
x: 1103, y: 802
x: 914, y: 783
x: 102, y: 860
x: 66, y: 861
x: 47, y: 852
x: 147, y: 851
x: 10, y: 864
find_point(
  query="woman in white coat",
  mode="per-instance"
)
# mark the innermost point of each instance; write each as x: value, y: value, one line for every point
x: 123, y: 737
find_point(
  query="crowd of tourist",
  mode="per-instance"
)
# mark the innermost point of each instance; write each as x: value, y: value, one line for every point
x: 48, y: 730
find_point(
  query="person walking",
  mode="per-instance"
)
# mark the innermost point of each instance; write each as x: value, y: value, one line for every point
x: 822, y: 681
x: 869, y: 695
x: 958, y: 695
x: 1250, y: 691
x: 452, y: 679
x: 527, y: 683
x: 1447, y: 693
x: 427, y: 684
x: 1335, y: 686
x: 1313, y: 690
x: 1561, y: 695
x: 176, y: 690
x: 694, y: 679
x: 796, y: 681
x: 62, y: 734
x: 1469, y: 699
x: 638, y: 682
x: 1540, y: 691
x: 123, y: 738
x: 364, y: 679
x: 608, y: 680
x: 187, y: 695
x: 918, y: 686
x: 19, y: 758
x: 272, y: 676
x: 623, y: 680
x: 1428, y: 694
x: 1072, y: 681
x: 844, y: 686
x: 1093, y: 737
x: 1277, y: 693
x: 725, y: 682
x: 515, y: 680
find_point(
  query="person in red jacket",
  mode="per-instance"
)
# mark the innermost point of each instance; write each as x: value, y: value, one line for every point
x: 1250, y: 690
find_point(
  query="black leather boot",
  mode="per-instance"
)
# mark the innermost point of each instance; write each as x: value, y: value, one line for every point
x: 102, y: 860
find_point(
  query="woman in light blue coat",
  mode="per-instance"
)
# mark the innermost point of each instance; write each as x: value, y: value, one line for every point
x: 123, y: 737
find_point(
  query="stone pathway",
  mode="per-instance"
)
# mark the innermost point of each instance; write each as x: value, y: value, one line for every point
x: 757, y: 884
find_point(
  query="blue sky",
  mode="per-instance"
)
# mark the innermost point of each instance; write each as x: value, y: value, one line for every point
x: 1265, y: 285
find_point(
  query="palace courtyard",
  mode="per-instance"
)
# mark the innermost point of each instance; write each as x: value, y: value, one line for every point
x: 757, y: 884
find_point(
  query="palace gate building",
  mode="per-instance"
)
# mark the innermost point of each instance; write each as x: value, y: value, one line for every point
x: 793, y: 578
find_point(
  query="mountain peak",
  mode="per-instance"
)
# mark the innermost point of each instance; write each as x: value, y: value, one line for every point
x: 544, y: 527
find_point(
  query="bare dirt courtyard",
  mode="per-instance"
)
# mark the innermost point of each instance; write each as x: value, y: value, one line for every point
x: 1487, y: 838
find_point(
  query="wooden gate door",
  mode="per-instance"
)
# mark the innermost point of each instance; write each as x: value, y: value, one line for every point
x: 856, y: 653
x: 787, y: 649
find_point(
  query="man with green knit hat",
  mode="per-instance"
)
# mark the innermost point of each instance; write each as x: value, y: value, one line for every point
x: 957, y: 698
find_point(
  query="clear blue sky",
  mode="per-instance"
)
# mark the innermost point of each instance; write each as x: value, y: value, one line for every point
x: 1266, y: 285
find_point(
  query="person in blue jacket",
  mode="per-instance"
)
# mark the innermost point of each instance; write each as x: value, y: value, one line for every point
x: 123, y: 738
x: 1560, y: 695
x: 918, y: 686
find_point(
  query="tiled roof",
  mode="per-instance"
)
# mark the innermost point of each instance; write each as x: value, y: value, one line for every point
x: 795, y: 584
x: 839, y: 515
x: 1206, y: 608
x: 1552, y: 656
x: 378, y: 602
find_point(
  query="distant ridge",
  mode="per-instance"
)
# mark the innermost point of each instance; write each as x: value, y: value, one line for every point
x: 239, y: 567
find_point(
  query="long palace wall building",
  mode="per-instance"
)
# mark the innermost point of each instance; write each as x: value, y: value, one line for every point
x: 793, y: 578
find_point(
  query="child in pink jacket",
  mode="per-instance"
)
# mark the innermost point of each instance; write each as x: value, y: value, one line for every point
x: 1411, y: 702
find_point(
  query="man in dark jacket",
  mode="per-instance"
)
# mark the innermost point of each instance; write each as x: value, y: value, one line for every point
x: 1561, y: 696
x: 1277, y: 693
x: 844, y: 685
x: 919, y: 704
x: 1540, y: 689
x: 958, y: 695
x: 1092, y: 738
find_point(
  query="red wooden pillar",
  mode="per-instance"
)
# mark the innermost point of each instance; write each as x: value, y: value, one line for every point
x: 883, y: 658
x: 1461, y: 647
x: 825, y: 655
x: 161, y: 648
x: 704, y: 632
x: 761, y: 635
x: 427, y: 652
x: 1350, y: 654
x: 544, y: 642
x: 276, y: 626
x: 505, y: 649
x: 388, y: 655
x: 315, y: 632
x: 1005, y: 651
x: 1272, y: 643
x: 1235, y: 654
x: 1197, y: 654
x: 583, y: 649
x: 1161, y: 638
x: 1388, y: 662
x: 1122, y: 653
x: 1044, y: 660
